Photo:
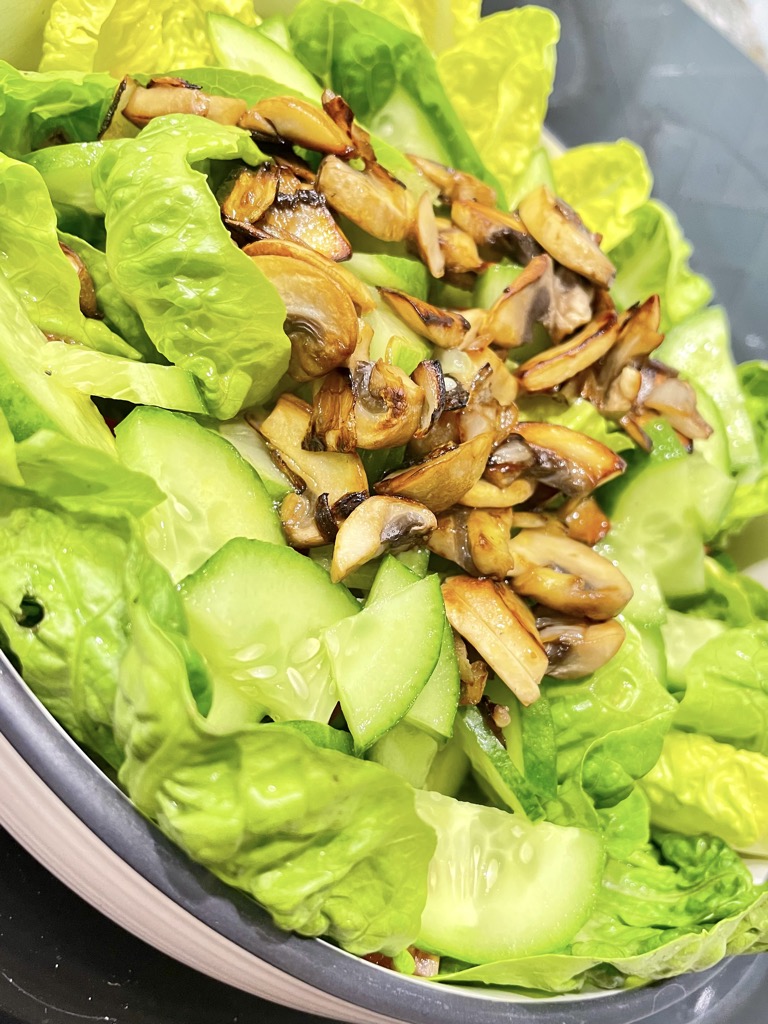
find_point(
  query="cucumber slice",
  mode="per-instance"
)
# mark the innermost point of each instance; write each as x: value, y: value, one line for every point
x: 378, y: 676
x: 213, y: 494
x: 402, y: 123
x: 108, y: 376
x: 500, y: 887
x: 252, y: 448
x: 410, y: 350
x: 492, y: 282
x: 381, y: 270
x: 492, y: 763
x: 66, y: 171
x: 435, y: 707
x: 406, y: 751
x: 240, y: 48
x: 255, y: 613
x: 275, y: 27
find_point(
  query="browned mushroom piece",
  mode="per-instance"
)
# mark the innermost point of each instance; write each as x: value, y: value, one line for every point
x: 300, y: 525
x: 332, y: 427
x: 566, y: 575
x: 114, y: 125
x: 675, y: 399
x: 443, y: 477
x: 576, y: 648
x: 492, y: 229
x: 504, y: 384
x: 509, y: 461
x: 572, y: 304
x: 339, y: 111
x: 316, y: 472
x: 560, y: 231
x: 502, y: 630
x: 473, y: 673
x: 459, y: 252
x: 377, y: 525
x: 484, y: 494
x: 510, y: 320
x: 488, y: 535
x: 584, y: 520
x: 250, y: 195
x: 454, y: 184
x: 88, y: 303
x: 638, y: 337
x: 429, y: 377
x: 483, y: 412
x: 299, y: 122
x: 425, y: 237
x: 177, y: 96
x: 568, y: 460
x: 556, y: 365
x: 360, y: 293
x: 371, y: 198
x: 321, y: 320
x: 443, y: 327
x: 450, y: 539
x: 387, y: 404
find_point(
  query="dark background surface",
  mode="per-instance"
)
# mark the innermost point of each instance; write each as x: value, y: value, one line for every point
x: 648, y: 69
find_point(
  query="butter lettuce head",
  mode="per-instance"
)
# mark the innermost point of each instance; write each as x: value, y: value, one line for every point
x: 203, y: 302
x: 141, y: 35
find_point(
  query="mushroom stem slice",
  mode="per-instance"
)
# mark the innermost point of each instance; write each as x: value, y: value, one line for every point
x: 321, y: 320
x: 568, y: 576
x: 454, y: 184
x: 443, y: 477
x: 442, y: 327
x: 560, y: 231
x: 377, y: 525
x: 300, y: 123
x: 492, y: 229
x: 372, y: 199
x: 360, y: 293
x: 556, y: 365
x: 577, y: 647
x: 333, y: 415
x: 584, y: 520
x: 426, y: 238
x: 388, y: 405
x: 502, y: 630
x: 429, y: 377
x: 573, y: 462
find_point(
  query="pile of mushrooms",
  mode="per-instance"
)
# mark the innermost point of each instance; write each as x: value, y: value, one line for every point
x: 508, y: 504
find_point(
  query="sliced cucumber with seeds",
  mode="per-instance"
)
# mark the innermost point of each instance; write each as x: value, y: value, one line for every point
x: 255, y: 613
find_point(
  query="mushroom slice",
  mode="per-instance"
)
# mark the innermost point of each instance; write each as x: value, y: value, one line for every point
x: 443, y: 477
x: 638, y: 337
x: 473, y: 674
x: 492, y: 229
x: 561, y: 232
x: 429, y: 377
x: 377, y: 525
x: 299, y: 122
x: 450, y: 539
x: 426, y: 238
x: 341, y: 114
x: 301, y: 214
x: 251, y: 195
x: 114, y: 125
x: 443, y: 433
x: 573, y: 462
x: 388, y: 405
x: 502, y: 630
x: 321, y: 321
x: 488, y: 535
x: 360, y: 293
x: 462, y: 260
x: 442, y: 327
x: 504, y: 386
x: 675, y: 399
x: 509, y: 322
x: 568, y: 576
x: 508, y: 461
x: 577, y: 647
x: 584, y: 520
x: 454, y: 184
x: 487, y: 495
x: 176, y: 96
x: 371, y: 198
x: 554, y: 366
x: 336, y: 474
x: 297, y: 515
x: 88, y: 304
x: 333, y: 415
x: 483, y: 412
x: 572, y: 304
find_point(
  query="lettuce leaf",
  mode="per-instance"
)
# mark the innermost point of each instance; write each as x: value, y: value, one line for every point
x: 606, y: 183
x: 203, y: 302
x: 327, y: 843
x: 440, y: 23
x: 751, y: 497
x: 36, y: 108
x: 498, y: 77
x: 120, y: 36
x: 9, y: 467
x: 653, y: 258
x: 32, y: 260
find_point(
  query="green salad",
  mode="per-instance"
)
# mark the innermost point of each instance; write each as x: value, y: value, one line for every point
x: 369, y: 481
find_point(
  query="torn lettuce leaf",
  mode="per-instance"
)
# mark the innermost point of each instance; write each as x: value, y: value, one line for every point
x: 175, y: 263
x: 36, y: 108
x: 701, y: 786
x: 33, y: 262
x: 653, y: 259
x: 606, y: 183
x: 121, y: 36
x: 327, y: 843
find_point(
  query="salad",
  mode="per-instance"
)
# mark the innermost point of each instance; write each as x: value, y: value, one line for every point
x: 367, y: 480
